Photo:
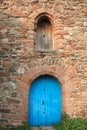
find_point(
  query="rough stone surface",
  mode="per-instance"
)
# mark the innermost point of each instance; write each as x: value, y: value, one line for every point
x: 20, y: 63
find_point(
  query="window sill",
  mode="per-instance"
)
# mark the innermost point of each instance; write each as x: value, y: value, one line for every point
x: 46, y: 51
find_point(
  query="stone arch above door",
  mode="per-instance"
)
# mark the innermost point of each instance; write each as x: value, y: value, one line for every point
x: 34, y: 72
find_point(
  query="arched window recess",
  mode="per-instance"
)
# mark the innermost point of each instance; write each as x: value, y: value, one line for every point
x: 44, y: 33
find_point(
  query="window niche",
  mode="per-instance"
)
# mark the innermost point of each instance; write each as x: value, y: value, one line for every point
x: 44, y: 34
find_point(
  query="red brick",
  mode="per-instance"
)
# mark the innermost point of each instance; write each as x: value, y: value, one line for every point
x: 4, y: 74
x: 7, y: 64
x: 12, y: 101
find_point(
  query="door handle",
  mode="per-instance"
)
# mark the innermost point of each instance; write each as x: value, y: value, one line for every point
x: 42, y: 102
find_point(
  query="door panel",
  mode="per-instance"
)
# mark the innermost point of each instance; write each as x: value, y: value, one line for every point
x: 44, y: 35
x: 45, y: 101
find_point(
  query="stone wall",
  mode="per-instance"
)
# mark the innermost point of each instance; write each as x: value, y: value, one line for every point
x: 20, y: 63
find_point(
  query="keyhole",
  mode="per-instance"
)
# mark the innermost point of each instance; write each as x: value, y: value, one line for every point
x: 44, y: 35
x: 42, y: 102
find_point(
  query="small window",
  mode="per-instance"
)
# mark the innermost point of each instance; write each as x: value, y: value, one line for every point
x: 44, y: 41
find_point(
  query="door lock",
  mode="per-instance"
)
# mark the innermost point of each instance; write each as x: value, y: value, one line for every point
x: 42, y: 102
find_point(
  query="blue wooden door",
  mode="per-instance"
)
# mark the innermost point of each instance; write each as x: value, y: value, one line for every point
x: 45, y: 102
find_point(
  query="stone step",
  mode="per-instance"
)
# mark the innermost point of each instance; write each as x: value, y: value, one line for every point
x: 42, y: 128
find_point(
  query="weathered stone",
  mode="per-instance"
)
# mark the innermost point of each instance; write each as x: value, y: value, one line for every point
x: 14, y: 94
x: 9, y: 86
x: 13, y: 32
x: 12, y: 100
x: 4, y: 110
x: 4, y: 40
x: 1, y: 98
x: 76, y: 95
x: 4, y: 74
x: 7, y: 64
x: 12, y: 69
x: 68, y: 37
x: 51, y: 62
x: 5, y: 47
x: 85, y: 24
x: 15, y: 66
x: 21, y: 70
x: 3, y: 54
x: 80, y: 113
x: 4, y: 120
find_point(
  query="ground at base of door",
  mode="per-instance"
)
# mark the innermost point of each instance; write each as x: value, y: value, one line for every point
x: 42, y: 128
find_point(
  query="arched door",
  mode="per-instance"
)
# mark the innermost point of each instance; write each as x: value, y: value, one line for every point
x: 45, y: 103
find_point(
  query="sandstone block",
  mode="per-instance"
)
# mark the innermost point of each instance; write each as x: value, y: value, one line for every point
x: 9, y: 86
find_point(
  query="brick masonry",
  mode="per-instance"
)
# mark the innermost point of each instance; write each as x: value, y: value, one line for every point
x: 20, y: 63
